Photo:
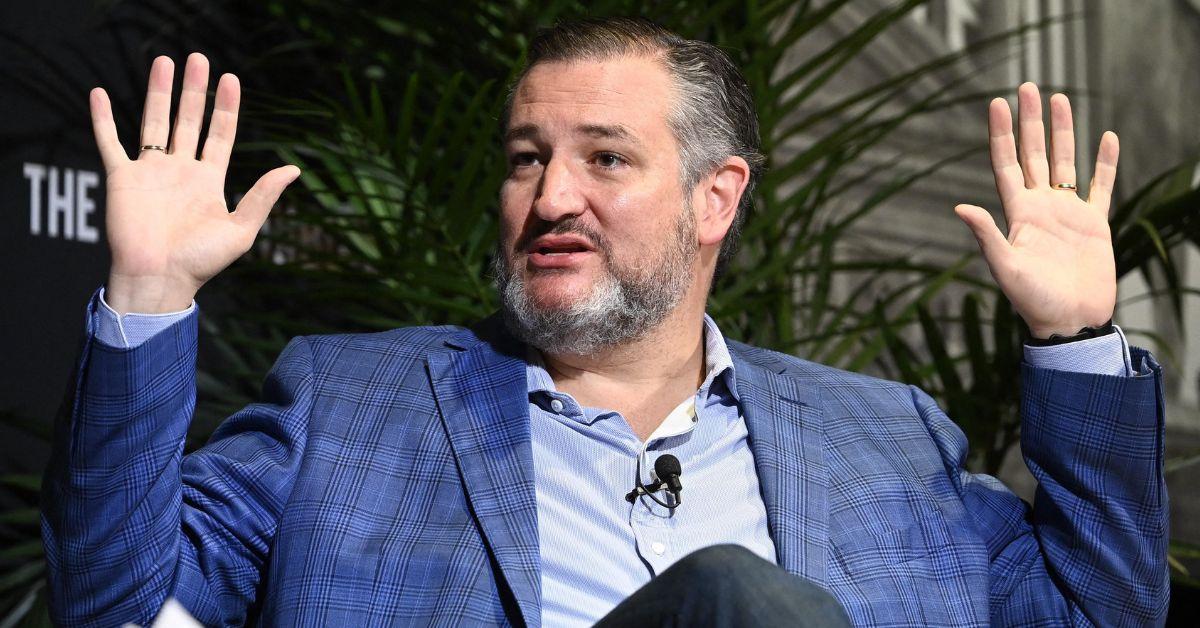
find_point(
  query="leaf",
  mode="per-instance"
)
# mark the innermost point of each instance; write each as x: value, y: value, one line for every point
x: 982, y: 369
x: 26, y: 549
x: 1180, y: 463
x: 902, y: 355
x: 929, y: 288
x: 30, y: 482
x: 20, y: 516
x: 1152, y: 232
x: 1005, y: 340
x: 947, y: 371
x: 23, y: 575
x: 28, y: 604
x: 1177, y: 566
x: 1183, y: 549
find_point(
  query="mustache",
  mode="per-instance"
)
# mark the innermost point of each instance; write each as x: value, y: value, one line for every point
x: 570, y: 225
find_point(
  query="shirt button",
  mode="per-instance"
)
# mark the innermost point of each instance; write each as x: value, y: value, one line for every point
x: 556, y: 405
x: 658, y: 548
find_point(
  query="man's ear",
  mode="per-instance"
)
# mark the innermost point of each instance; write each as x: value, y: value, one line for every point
x: 717, y: 198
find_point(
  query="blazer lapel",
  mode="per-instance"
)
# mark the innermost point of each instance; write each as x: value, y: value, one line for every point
x: 786, y: 436
x: 483, y: 397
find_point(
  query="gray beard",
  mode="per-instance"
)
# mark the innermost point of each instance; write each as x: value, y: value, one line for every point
x: 622, y: 307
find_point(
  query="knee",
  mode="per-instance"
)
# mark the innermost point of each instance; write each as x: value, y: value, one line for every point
x: 736, y: 583
x: 721, y: 561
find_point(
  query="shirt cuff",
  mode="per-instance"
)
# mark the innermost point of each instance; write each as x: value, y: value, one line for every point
x: 1106, y: 355
x: 131, y: 330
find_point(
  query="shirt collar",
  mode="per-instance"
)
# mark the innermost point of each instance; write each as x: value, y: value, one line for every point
x: 717, y: 363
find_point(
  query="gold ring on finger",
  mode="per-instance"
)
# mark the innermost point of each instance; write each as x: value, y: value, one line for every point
x: 1065, y: 186
x: 152, y: 147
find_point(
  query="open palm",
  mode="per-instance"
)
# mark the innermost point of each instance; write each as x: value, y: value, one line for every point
x: 168, y: 226
x: 1056, y: 265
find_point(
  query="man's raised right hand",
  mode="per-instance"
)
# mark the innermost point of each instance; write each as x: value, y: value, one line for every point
x: 168, y: 226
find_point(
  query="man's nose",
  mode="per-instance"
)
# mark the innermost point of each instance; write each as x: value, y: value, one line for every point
x: 559, y: 193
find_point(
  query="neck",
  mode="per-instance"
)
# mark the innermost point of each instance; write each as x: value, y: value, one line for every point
x: 643, y: 379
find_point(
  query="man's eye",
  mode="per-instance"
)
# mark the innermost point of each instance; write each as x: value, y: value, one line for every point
x: 609, y: 161
x: 520, y: 160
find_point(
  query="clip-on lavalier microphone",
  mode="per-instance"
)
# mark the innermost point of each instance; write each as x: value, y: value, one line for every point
x: 668, y: 470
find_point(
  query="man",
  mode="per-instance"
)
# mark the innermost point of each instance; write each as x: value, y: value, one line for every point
x: 452, y: 476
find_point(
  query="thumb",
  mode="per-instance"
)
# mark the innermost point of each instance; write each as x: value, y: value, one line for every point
x: 991, y: 241
x: 257, y: 203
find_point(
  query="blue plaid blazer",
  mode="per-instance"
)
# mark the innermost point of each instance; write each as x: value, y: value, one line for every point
x: 386, y: 479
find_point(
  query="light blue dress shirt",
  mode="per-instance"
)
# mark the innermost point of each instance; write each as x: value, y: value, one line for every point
x: 586, y: 460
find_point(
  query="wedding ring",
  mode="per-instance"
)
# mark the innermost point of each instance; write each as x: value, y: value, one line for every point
x: 152, y: 147
x: 1065, y: 186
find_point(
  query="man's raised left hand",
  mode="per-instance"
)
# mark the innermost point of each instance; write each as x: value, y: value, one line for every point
x: 1056, y: 266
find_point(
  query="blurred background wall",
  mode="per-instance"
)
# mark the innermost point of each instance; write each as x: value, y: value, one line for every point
x: 1127, y: 66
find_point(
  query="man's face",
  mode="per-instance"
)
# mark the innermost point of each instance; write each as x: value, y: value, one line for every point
x: 594, y: 223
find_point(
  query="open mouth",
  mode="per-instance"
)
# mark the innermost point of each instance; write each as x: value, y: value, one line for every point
x: 558, y: 251
x: 566, y: 249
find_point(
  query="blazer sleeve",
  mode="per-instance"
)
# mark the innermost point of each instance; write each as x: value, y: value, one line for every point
x: 127, y: 520
x: 1092, y: 548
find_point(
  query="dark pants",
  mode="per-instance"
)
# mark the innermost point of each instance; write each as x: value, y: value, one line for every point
x: 727, y: 585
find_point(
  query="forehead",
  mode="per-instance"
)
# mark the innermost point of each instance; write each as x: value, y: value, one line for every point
x: 634, y: 92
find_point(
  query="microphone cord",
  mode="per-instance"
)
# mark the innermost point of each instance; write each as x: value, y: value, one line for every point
x: 641, y: 489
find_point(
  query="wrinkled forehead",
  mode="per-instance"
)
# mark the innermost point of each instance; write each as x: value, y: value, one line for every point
x: 634, y: 92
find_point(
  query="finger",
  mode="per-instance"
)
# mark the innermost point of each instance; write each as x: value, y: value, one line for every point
x: 1032, y: 132
x: 1062, y: 141
x: 223, y: 127
x: 157, y: 112
x: 254, y: 207
x: 991, y: 241
x: 1100, y: 194
x: 190, y: 116
x: 1003, y: 146
x: 111, y: 151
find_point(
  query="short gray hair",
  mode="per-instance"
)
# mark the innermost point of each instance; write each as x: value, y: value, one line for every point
x: 713, y: 116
